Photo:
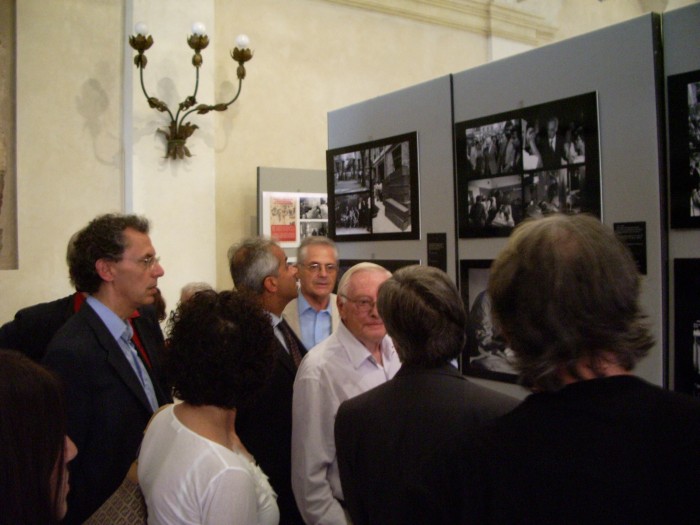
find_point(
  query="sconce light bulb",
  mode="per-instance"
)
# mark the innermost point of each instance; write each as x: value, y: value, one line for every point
x: 198, y: 29
x: 242, y: 41
x: 140, y: 28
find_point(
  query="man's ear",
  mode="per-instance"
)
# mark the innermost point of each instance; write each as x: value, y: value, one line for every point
x: 270, y: 284
x: 104, y: 269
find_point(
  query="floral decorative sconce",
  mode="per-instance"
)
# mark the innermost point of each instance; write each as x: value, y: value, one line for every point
x: 179, y: 131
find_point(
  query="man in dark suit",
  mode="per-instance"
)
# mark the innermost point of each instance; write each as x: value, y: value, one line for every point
x: 109, y: 365
x: 33, y: 327
x: 259, y: 267
x: 553, y: 150
x: 384, y: 435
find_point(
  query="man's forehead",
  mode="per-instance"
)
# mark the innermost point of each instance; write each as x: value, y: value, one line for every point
x: 319, y: 252
x: 367, y: 281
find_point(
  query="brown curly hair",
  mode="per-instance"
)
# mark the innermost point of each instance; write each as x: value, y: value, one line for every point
x: 220, y: 349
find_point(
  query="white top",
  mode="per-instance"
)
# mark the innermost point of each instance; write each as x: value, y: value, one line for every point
x: 335, y: 370
x: 189, y: 479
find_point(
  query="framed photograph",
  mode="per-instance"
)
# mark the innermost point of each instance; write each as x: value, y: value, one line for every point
x: 684, y: 148
x: 486, y: 353
x: 290, y: 217
x: 686, y: 327
x: 373, y: 190
x: 527, y: 163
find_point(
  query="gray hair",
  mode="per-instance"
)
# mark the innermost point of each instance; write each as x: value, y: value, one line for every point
x: 564, y: 289
x: 190, y: 289
x: 250, y: 261
x: 358, y: 268
x: 315, y: 241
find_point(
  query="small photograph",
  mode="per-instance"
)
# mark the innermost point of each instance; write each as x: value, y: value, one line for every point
x: 313, y: 229
x: 313, y: 208
x: 353, y: 214
x: 283, y: 218
x: 352, y: 172
x: 495, y: 205
x: 552, y: 191
x: 486, y: 353
x: 493, y: 149
x: 373, y: 190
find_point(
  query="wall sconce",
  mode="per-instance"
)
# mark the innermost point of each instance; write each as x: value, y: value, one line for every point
x: 179, y: 130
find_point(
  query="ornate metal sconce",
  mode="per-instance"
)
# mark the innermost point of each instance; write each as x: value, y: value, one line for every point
x: 179, y: 130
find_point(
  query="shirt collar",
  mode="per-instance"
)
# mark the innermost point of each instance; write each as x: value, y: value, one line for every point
x: 303, y: 305
x: 112, y: 321
x: 275, y: 319
x: 357, y: 352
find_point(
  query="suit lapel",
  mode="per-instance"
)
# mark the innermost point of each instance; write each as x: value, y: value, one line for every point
x: 150, y: 341
x: 115, y: 357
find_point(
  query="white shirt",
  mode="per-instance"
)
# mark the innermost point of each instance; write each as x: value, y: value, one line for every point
x: 337, y: 369
x: 188, y: 479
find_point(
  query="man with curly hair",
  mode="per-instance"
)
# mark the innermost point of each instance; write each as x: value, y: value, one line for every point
x: 111, y: 371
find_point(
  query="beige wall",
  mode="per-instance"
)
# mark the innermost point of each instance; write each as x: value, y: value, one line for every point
x: 311, y: 56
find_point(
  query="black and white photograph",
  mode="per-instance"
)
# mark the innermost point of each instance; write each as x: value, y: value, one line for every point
x: 684, y: 148
x: 486, y: 353
x: 313, y: 229
x: 493, y: 149
x: 373, y: 190
x: 313, y: 208
x: 686, y: 332
x: 495, y: 205
x: 552, y: 149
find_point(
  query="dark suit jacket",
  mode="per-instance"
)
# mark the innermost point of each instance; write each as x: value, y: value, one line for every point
x: 552, y: 158
x: 384, y: 436
x: 33, y: 327
x: 107, y: 407
x: 265, y: 428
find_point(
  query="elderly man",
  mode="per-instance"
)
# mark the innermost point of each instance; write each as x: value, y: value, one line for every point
x: 593, y: 443
x: 356, y: 357
x: 313, y: 315
x: 259, y: 267
x: 383, y: 436
x: 110, y: 366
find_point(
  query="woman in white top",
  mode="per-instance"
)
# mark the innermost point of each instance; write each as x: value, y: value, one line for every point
x: 193, y: 469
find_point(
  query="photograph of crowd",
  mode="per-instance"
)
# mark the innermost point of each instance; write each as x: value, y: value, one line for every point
x: 486, y: 353
x: 373, y: 189
x: 687, y: 325
x: 684, y: 145
x: 528, y: 162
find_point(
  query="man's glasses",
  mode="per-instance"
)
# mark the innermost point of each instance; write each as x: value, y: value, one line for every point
x: 363, y: 305
x: 316, y: 267
x: 147, y: 262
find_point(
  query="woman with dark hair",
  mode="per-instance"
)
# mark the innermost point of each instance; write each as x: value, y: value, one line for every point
x: 33, y: 441
x: 193, y: 468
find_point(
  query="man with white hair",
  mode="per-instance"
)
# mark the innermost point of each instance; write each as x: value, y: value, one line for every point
x: 358, y: 356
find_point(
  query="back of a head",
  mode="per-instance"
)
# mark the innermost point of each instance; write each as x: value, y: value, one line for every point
x: 220, y: 349
x: 565, y: 288
x: 102, y: 238
x: 424, y: 315
x: 32, y: 431
x: 250, y: 261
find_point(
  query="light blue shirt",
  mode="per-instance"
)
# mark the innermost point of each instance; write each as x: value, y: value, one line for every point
x: 116, y: 327
x: 315, y: 326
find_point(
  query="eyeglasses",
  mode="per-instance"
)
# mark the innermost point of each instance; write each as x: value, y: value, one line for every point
x: 363, y: 304
x: 148, y: 262
x: 316, y: 267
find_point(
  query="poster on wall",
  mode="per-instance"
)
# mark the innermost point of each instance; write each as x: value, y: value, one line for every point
x: 528, y: 162
x: 684, y: 148
x: 686, y: 334
x: 486, y: 353
x: 289, y: 217
x: 373, y: 190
